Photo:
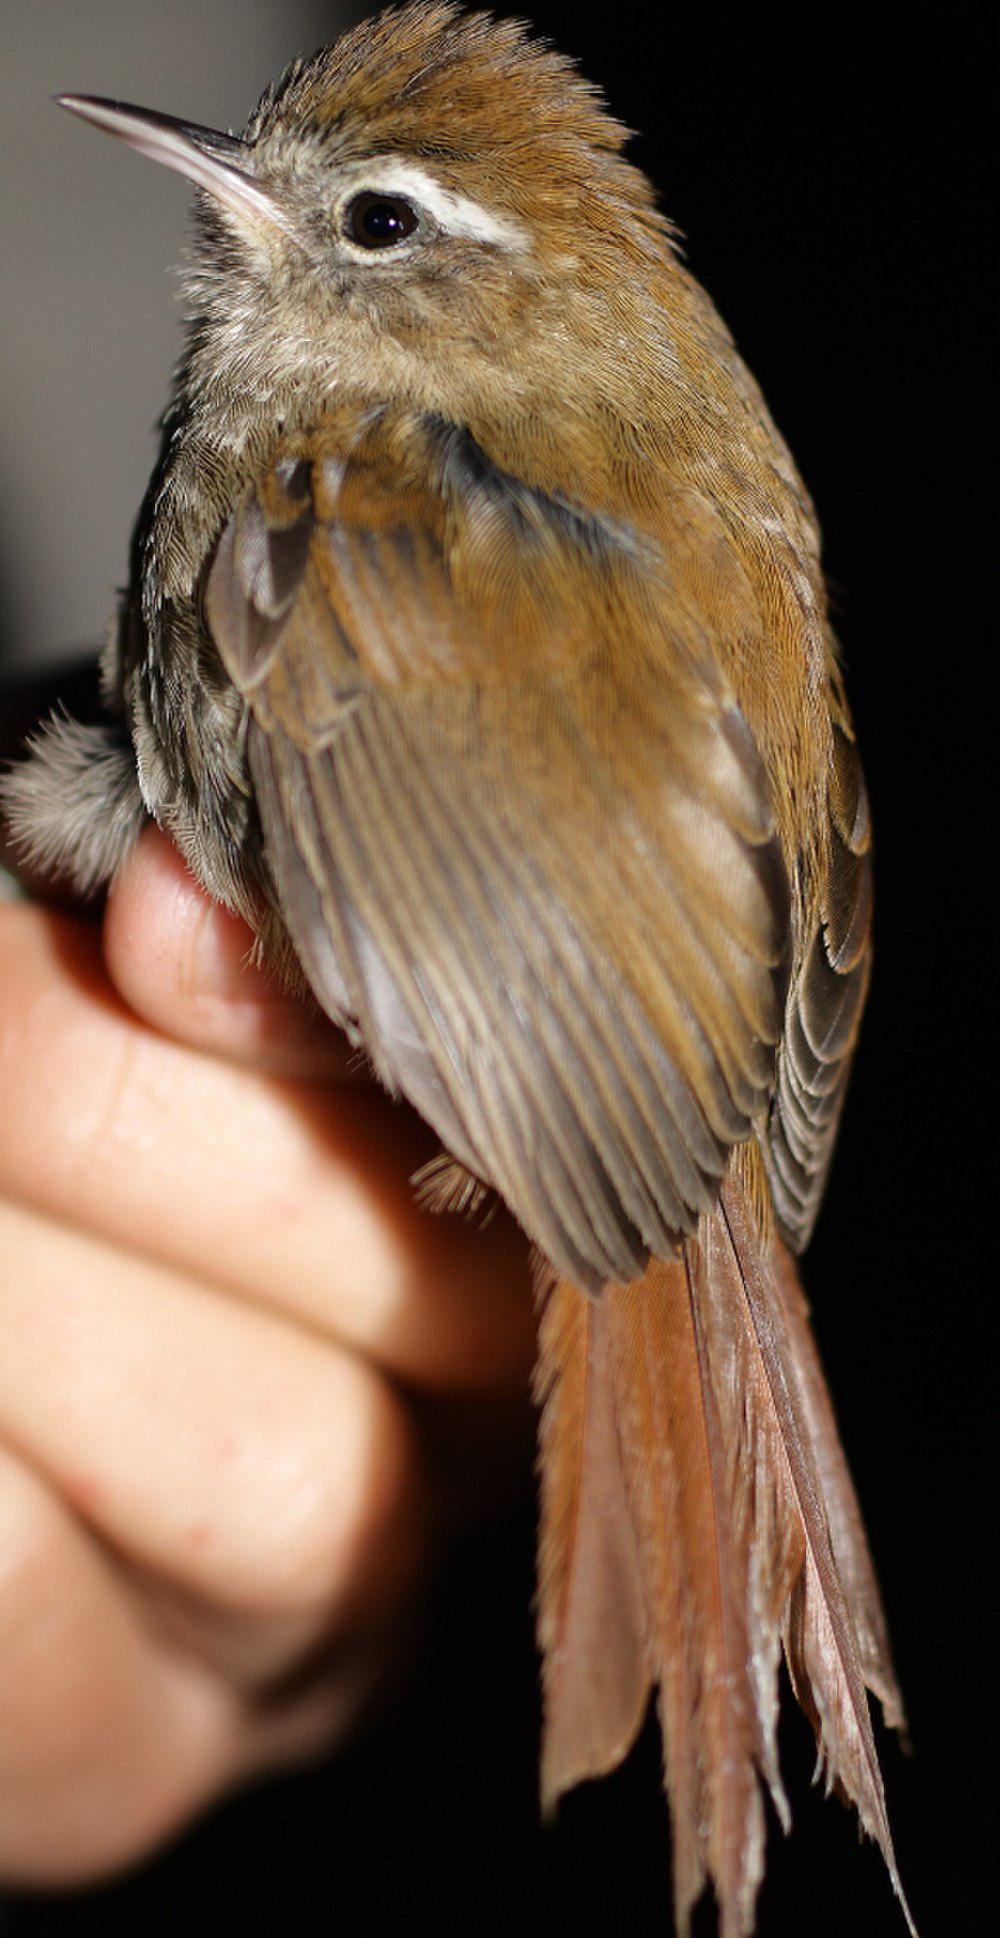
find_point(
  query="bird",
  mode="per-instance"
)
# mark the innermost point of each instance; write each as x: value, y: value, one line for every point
x: 476, y: 651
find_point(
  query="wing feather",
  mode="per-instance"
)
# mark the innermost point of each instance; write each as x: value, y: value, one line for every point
x: 825, y: 1001
x: 518, y: 830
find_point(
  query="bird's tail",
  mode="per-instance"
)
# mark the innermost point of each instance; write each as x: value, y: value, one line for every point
x: 697, y: 1518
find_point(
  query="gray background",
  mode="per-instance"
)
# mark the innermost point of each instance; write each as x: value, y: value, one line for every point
x: 89, y: 240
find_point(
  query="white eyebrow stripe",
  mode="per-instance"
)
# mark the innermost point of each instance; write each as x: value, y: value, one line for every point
x: 456, y: 213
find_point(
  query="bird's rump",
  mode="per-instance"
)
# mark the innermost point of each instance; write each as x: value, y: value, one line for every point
x: 545, y: 892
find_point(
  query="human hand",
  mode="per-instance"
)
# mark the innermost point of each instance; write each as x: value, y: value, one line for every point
x: 240, y: 1372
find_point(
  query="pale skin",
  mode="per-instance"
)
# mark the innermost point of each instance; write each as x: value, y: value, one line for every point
x: 240, y: 1373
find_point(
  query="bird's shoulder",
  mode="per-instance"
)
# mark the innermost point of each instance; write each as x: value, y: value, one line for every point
x: 392, y: 547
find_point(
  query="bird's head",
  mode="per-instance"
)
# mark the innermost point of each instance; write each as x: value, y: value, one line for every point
x: 437, y: 207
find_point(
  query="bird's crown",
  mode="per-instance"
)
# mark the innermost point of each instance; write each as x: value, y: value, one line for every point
x: 483, y: 104
x: 436, y: 80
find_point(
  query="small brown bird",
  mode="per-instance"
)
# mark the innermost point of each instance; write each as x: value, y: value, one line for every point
x: 477, y: 652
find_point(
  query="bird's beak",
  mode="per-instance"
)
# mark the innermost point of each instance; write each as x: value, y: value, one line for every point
x: 215, y: 162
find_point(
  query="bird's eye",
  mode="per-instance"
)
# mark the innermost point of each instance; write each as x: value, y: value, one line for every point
x: 379, y: 221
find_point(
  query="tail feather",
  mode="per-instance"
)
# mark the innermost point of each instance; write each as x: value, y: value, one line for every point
x: 695, y: 1576
x: 591, y: 1620
x: 819, y: 1632
x: 690, y: 1406
x: 847, y: 1534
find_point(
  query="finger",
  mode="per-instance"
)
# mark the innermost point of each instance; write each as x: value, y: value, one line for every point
x: 292, y: 1193
x: 302, y: 1724
x: 248, y: 1462
x: 107, y: 1741
x: 182, y: 962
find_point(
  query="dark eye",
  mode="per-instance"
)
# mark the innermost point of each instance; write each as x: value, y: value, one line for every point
x: 378, y: 221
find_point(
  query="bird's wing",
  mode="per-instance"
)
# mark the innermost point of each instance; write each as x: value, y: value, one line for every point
x: 825, y: 1000
x: 517, y: 827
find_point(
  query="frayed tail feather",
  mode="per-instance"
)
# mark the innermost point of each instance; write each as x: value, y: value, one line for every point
x: 698, y: 1519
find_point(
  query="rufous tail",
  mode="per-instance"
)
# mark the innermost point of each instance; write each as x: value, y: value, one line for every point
x: 697, y: 1518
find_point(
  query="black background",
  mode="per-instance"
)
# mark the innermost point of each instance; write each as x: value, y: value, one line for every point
x: 828, y: 182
